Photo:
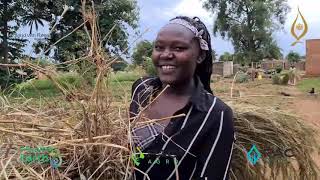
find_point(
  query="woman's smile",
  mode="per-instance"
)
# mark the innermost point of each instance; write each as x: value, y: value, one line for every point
x: 167, y: 69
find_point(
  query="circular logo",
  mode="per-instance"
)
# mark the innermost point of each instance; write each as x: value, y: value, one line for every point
x: 299, y: 26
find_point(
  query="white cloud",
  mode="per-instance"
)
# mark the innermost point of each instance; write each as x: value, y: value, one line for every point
x: 191, y: 8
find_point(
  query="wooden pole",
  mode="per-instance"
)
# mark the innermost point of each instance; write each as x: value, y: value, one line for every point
x: 13, y: 65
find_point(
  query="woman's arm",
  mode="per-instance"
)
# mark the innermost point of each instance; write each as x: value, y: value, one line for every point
x: 216, y: 151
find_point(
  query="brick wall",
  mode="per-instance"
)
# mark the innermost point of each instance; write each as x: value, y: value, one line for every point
x: 313, y: 57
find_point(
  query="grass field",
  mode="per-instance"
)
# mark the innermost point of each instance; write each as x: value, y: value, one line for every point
x: 306, y: 84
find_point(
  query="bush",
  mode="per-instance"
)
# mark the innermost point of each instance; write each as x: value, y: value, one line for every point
x: 282, y: 78
x: 276, y: 79
x: 149, y: 67
x: 47, y: 87
x: 278, y: 69
x: 242, y: 77
x: 122, y: 76
x: 12, y: 77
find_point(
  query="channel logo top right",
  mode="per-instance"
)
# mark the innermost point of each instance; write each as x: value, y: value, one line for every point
x: 299, y: 28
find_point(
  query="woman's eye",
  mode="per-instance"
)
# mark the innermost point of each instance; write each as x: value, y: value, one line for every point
x: 179, y: 48
x: 158, y: 48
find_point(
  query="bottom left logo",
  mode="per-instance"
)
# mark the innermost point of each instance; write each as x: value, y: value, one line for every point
x: 42, y: 155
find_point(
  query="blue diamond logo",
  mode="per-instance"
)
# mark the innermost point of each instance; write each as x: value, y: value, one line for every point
x: 253, y: 155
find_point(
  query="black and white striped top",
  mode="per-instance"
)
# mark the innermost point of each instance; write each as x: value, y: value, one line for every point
x: 201, y: 142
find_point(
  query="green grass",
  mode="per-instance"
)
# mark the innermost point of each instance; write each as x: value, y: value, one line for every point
x: 120, y: 83
x: 305, y: 85
x: 45, y: 87
x: 121, y: 76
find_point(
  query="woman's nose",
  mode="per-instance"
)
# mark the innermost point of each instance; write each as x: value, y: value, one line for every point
x: 166, y: 54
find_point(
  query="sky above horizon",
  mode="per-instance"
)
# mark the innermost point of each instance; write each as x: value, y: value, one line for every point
x: 154, y: 15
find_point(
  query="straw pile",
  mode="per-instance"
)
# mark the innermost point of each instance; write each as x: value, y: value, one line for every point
x: 93, y: 136
x: 268, y: 129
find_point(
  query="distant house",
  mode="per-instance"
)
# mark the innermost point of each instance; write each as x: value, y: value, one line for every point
x: 222, y: 68
x: 267, y: 64
x: 313, y: 57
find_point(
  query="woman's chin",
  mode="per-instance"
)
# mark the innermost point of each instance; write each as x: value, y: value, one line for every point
x: 167, y: 79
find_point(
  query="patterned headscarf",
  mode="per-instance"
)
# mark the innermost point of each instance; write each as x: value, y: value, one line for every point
x: 198, y: 34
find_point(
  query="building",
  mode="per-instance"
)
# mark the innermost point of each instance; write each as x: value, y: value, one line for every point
x: 313, y: 57
x: 223, y: 68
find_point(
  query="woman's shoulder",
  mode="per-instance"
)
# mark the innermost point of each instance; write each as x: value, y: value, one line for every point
x: 142, y: 83
x: 218, y: 104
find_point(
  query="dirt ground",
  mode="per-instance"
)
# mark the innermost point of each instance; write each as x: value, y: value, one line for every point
x: 263, y: 93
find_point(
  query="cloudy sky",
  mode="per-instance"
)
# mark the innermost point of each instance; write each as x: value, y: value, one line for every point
x: 154, y: 14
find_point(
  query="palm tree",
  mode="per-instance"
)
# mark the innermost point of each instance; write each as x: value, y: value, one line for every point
x: 33, y: 18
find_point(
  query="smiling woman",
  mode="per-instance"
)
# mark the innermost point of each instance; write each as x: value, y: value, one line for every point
x: 176, y: 113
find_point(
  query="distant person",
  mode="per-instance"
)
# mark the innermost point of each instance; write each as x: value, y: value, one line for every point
x: 198, y: 145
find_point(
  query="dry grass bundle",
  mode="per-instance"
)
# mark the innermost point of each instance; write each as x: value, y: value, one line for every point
x: 268, y: 129
x: 90, y: 135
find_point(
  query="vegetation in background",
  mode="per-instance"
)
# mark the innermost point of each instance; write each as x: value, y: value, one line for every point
x: 123, y: 76
x: 119, y: 65
x: 242, y: 77
x: 306, y: 85
x: 45, y: 87
x: 142, y: 49
x: 226, y: 56
x: 9, y: 77
x: 149, y: 67
x: 249, y: 25
x: 10, y: 45
x: 281, y: 78
x: 293, y: 57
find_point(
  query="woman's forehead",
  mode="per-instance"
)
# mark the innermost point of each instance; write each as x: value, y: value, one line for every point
x: 174, y: 32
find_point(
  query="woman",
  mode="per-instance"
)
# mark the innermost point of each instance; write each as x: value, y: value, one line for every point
x: 196, y: 141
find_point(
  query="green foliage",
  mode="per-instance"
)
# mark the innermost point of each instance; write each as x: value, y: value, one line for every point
x: 306, y: 85
x: 271, y: 50
x: 242, y: 77
x: 249, y: 25
x: 87, y: 70
x: 119, y: 65
x: 281, y: 78
x: 11, y: 11
x: 149, y: 67
x: 11, y: 76
x: 276, y: 79
x: 143, y: 48
x: 293, y: 57
x: 226, y: 57
x: 45, y: 87
x: 120, y: 14
x: 279, y: 69
x: 122, y: 76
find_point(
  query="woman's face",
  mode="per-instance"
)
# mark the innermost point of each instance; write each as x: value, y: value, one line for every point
x: 175, y: 54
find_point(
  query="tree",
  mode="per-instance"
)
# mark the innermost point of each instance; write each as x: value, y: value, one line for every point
x: 293, y: 57
x: 36, y: 13
x: 214, y: 55
x: 10, y: 44
x: 249, y: 24
x: 226, y: 57
x: 272, y: 51
x: 121, y: 13
x: 19, y: 13
x: 119, y: 65
x: 143, y: 48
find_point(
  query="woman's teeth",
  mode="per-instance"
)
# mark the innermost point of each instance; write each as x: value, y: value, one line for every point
x: 168, y: 67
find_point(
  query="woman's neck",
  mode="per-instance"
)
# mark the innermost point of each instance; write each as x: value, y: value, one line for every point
x: 183, y: 89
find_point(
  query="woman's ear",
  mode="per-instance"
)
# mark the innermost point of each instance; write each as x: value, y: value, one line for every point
x: 201, y: 57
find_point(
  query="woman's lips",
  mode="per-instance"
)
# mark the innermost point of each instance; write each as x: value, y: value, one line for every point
x: 167, y: 69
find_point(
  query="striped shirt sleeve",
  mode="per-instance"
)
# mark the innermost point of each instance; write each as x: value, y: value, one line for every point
x: 216, y: 151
